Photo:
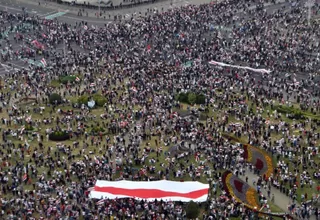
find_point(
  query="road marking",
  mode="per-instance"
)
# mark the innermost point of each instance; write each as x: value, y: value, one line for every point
x: 88, y: 20
x: 56, y: 15
x: 6, y: 67
x: 47, y: 13
x: 21, y: 67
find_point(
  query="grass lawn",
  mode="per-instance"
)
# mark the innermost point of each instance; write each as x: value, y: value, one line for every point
x: 217, y: 115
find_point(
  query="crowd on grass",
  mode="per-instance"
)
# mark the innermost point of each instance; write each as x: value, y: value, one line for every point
x: 140, y: 66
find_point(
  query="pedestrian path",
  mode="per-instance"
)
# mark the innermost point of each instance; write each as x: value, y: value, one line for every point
x: 280, y: 199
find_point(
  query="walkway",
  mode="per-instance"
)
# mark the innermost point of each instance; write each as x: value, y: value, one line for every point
x: 280, y: 199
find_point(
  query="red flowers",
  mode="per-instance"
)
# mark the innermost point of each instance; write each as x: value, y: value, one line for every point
x: 240, y: 190
x: 259, y: 158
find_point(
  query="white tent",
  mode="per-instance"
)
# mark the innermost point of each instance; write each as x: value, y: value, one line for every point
x: 165, y: 190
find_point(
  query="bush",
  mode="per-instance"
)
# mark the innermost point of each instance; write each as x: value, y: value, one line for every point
x: 28, y: 127
x: 192, y: 210
x: 183, y: 97
x: 99, y: 100
x: 55, y: 98
x: 293, y: 113
x: 83, y: 100
x: 97, y: 130
x: 191, y: 98
x: 59, y: 136
x: 201, y: 99
x: 66, y: 79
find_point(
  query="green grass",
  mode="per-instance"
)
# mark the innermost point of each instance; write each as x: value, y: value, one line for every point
x: 217, y: 115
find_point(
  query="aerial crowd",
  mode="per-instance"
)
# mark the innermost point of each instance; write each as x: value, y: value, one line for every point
x: 140, y: 65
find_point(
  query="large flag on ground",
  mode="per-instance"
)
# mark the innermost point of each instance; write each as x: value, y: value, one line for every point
x: 165, y: 190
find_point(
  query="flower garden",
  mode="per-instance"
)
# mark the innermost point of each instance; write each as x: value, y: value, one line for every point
x: 260, y: 159
x: 240, y: 190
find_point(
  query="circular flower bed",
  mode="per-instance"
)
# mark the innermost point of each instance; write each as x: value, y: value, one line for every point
x: 59, y: 136
x: 240, y: 190
x: 259, y: 158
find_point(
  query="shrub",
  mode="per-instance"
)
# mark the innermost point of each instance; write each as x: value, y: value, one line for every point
x: 97, y: 130
x: 191, y: 98
x: 192, y: 210
x: 28, y: 127
x: 55, y: 98
x: 100, y: 100
x: 59, y: 136
x: 83, y: 99
x: 293, y: 113
x: 66, y: 79
x: 201, y: 99
x: 183, y: 97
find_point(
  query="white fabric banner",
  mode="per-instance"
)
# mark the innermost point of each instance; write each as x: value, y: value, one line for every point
x: 165, y: 190
x: 239, y: 67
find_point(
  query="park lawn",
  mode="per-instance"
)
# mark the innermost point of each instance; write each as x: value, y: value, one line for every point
x: 216, y: 114
x: 275, y: 136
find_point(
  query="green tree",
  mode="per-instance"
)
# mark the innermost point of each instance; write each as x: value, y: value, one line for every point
x: 193, y: 210
x: 83, y: 99
x: 55, y: 98
x: 183, y: 97
x: 192, y: 98
x: 201, y: 99
x: 100, y: 100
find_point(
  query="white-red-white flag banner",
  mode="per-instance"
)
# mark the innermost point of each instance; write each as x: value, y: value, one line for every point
x: 239, y: 67
x: 163, y: 189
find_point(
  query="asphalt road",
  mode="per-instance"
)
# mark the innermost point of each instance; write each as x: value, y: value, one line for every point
x: 68, y: 14
x: 71, y: 12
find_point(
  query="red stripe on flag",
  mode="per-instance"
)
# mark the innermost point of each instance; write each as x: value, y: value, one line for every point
x: 150, y: 193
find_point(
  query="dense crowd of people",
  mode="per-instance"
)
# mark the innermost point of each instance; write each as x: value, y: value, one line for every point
x: 140, y: 65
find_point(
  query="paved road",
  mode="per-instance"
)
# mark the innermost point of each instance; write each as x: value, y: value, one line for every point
x: 71, y: 12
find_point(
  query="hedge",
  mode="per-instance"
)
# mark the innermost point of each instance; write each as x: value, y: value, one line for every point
x: 293, y: 113
x: 66, y: 79
x: 59, y: 136
x: 191, y: 98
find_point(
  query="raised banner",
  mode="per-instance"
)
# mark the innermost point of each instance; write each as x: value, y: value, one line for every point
x: 239, y: 67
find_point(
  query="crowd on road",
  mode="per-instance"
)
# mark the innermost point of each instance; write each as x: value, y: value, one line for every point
x: 140, y: 66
